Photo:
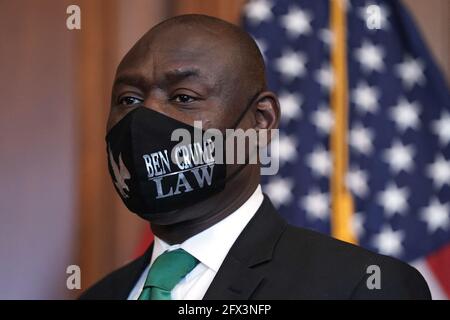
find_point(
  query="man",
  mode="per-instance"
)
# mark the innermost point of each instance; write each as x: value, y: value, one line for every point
x: 216, y: 235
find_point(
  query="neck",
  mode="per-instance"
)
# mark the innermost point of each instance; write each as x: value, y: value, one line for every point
x: 213, y: 210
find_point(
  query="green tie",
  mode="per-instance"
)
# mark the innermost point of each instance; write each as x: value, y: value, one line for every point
x: 166, y: 271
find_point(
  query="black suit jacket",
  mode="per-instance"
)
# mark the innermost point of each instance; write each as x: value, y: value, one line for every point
x: 274, y: 260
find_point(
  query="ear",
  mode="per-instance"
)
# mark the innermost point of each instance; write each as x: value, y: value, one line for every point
x: 267, y: 113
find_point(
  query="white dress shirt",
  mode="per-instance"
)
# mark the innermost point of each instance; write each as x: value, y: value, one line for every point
x: 210, y: 247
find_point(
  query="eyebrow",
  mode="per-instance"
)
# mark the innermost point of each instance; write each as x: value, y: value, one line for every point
x: 132, y: 80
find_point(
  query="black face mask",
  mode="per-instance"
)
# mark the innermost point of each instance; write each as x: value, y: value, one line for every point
x: 144, y: 173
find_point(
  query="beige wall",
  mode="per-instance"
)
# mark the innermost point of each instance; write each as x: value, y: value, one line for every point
x: 38, y: 145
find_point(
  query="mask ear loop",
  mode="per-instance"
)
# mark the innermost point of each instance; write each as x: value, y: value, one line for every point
x: 249, y: 105
x: 247, y: 108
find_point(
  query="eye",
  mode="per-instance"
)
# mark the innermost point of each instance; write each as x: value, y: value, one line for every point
x: 183, y: 98
x: 129, y: 101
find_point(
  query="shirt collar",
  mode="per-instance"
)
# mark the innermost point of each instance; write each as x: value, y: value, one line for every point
x: 211, y: 246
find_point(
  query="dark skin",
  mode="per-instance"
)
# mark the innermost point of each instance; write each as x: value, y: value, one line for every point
x: 193, y: 68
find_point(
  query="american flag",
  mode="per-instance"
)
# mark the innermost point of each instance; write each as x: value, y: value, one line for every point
x: 398, y: 127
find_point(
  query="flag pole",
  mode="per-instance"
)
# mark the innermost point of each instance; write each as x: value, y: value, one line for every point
x: 341, y: 199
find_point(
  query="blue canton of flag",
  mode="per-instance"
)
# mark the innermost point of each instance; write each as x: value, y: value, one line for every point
x: 399, y: 123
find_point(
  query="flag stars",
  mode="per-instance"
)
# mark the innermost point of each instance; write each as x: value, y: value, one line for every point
x: 291, y: 65
x: 399, y: 157
x: 365, y: 98
x: 393, y: 199
x: 326, y: 36
x: 360, y: 139
x: 405, y: 114
x: 389, y: 242
x: 323, y: 119
x: 297, y: 22
x: 287, y: 147
x: 356, y: 181
x: 324, y: 76
x: 441, y: 128
x: 410, y: 71
x: 370, y: 57
x: 290, y: 106
x: 279, y: 190
x: 316, y: 205
x: 439, y: 172
x: 436, y: 216
x: 258, y: 11
x: 357, y: 224
x: 320, y: 162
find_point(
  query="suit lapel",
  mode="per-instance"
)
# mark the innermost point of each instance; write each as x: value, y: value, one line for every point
x: 239, y: 277
x: 234, y: 281
x: 129, y: 279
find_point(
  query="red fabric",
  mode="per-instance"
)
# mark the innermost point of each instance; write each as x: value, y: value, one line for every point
x: 146, y: 239
x: 439, y: 263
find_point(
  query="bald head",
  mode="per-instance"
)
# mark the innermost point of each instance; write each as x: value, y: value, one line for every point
x: 199, y: 38
x: 243, y: 52
x: 191, y: 67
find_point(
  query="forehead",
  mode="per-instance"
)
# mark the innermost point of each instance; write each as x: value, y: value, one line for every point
x: 163, y: 52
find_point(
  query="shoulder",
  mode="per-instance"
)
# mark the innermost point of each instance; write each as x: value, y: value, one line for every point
x: 337, y: 264
x: 116, y: 285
